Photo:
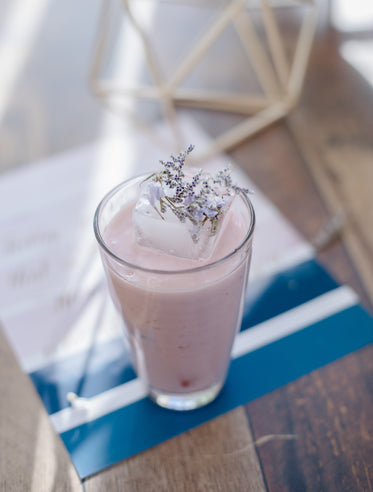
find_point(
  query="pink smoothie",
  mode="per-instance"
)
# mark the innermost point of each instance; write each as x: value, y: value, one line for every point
x: 180, y: 324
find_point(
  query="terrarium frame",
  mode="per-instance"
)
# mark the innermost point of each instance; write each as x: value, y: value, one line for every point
x: 281, y: 79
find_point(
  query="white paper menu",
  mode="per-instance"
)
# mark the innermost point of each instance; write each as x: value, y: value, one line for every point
x: 53, y: 296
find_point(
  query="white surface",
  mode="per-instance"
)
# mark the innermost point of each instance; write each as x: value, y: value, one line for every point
x: 53, y: 296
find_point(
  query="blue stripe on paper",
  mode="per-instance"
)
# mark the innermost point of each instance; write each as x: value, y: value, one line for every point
x: 107, y: 365
x: 132, y: 429
x: 283, y: 291
x: 87, y: 374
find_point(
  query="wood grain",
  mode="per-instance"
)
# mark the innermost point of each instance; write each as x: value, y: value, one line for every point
x: 333, y: 130
x: 217, y: 456
x: 32, y: 456
x: 277, y: 167
x: 329, y: 411
x: 315, y: 162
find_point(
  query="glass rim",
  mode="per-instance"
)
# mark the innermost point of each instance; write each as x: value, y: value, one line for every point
x: 223, y: 259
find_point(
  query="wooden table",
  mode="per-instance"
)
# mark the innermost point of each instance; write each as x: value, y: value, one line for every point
x: 313, y: 434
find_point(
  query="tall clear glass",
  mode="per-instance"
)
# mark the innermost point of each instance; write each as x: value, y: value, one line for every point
x: 180, y: 324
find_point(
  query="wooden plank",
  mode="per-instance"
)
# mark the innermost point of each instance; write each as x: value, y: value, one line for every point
x: 276, y: 166
x: 32, y: 456
x: 333, y: 128
x: 217, y: 456
x: 329, y: 414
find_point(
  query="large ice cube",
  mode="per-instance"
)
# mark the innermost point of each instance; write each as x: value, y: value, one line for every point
x: 163, y: 232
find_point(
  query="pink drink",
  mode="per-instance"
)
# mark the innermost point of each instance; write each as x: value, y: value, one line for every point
x: 181, y: 315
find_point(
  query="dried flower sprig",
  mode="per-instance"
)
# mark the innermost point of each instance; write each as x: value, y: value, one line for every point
x: 200, y: 198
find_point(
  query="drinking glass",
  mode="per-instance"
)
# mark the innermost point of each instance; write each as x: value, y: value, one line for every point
x: 179, y: 324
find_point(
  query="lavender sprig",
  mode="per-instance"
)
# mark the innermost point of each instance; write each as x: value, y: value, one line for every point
x: 201, y: 198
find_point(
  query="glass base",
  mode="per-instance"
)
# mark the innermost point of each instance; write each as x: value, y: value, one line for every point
x: 185, y: 401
